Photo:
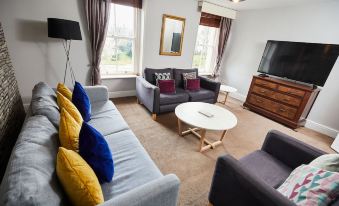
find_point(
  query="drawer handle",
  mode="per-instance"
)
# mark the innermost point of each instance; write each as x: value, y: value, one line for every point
x: 262, y: 91
x: 286, y: 100
x: 282, y: 110
x: 259, y: 101
x: 264, y: 83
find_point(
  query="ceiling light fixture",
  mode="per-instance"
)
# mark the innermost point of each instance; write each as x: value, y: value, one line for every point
x: 236, y: 1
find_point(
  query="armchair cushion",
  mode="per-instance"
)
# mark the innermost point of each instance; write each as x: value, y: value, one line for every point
x: 202, y: 94
x: 265, y: 167
x: 178, y: 76
x: 150, y: 74
x: 179, y: 97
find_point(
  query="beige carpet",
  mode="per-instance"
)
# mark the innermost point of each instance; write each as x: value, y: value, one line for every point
x: 179, y: 155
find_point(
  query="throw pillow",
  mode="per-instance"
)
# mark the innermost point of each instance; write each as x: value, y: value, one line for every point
x: 189, y: 75
x: 192, y: 84
x: 69, y: 131
x: 309, y: 185
x: 161, y: 76
x: 81, y: 100
x: 64, y: 91
x: 95, y: 150
x: 63, y: 102
x: 328, y: 162
x: 167, y: 86
x: 78, y: 179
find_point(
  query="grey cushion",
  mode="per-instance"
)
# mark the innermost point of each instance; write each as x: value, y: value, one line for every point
x: 133, y: 167
x: 179, y: 97
x: 106, y: 118
x: 202, y: 94
x: 150, y: 74
x: 266, y: 167
x: 44, y: 103
x: 179, y: 80
x: 30, y: 178
x: 42, y: 89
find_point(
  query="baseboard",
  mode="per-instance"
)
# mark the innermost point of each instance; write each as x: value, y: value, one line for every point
x: 321, y: 128
x: 238, y: 96
x: 117, y: 94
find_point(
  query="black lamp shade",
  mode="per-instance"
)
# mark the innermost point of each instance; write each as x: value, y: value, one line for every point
x: 63, y: 29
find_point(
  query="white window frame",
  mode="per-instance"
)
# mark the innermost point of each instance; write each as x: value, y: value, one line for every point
x: 135, y: 48
x: 209, y: 71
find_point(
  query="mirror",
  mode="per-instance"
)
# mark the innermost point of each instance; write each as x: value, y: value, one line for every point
x: 172, y: 35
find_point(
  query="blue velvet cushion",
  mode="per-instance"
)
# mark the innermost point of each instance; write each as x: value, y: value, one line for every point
x: 81, y: 100
x: 95, y: 150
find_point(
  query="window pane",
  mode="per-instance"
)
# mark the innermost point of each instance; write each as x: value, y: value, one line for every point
x: 121, y: 21
x: 204, y: 54
x: 118, y: 53
x: 117, y: 56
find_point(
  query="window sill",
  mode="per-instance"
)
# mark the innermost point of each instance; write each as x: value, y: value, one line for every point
x: 119, y: 76
x: 206, y: 73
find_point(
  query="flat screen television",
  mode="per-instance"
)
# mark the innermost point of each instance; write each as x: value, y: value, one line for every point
x: 305, y: 62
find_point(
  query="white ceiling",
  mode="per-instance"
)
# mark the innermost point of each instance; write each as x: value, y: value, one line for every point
x: 261, y: 4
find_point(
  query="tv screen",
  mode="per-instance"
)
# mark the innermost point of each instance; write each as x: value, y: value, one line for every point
x: 305, y: 62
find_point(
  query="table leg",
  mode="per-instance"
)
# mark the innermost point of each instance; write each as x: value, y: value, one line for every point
x: 226, y: 95
x: 202, y: 139
x: 223, y: 135
x: 179, y: 127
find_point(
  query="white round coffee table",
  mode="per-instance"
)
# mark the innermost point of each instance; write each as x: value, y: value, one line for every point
x: 214, y: 118
x: 226, y: 89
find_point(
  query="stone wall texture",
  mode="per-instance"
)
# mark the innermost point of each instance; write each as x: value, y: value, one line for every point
x: 12, y: 112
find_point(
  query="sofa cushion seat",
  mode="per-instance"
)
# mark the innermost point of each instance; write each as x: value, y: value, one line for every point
x: 132, y: 165
x: 107, y: 119
x: 266, y: 167
x: 179, y: 97
x: 98, y: 108
x: 202, y: 94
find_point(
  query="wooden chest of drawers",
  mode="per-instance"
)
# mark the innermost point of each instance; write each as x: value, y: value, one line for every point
x: 283, y: 101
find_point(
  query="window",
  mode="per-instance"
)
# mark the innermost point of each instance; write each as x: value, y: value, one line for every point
x: 205, y: 52
x: 121, y: 49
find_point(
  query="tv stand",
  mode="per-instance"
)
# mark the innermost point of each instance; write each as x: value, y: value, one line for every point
x: 283, y: 101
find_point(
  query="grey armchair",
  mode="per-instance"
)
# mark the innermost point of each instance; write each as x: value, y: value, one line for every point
x: 149, y: 95
x: 253, y: 179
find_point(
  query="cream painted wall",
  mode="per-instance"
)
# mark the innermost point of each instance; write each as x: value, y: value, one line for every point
x: 36, y: 57
x: 39, y: 58
x: 154, y: 9
x: 314, y: 22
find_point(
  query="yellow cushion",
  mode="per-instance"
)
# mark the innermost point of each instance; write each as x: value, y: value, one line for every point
x: 78, y: 179
x: 64, y: 91
x: 69, y: 131
x: 63, y: 102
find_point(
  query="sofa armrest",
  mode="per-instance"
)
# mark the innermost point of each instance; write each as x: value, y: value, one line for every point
x: 289, y: 150
x: 234, y: 185
x: 97, y: 93
x: 210, y: 85
x: 148, y: 94
x: 163, y: 191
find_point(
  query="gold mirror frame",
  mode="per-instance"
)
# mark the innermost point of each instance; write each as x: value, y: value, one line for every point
x: 163, y: 27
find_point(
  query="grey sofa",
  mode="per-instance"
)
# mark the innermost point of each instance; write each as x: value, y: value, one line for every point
x: 30, y: 177
x: 253, y: 179
x: 149, y: 94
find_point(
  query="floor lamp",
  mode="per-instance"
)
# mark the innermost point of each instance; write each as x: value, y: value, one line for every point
x: 66, y: 30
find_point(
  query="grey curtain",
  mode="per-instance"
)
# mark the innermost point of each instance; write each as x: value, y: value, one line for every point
x: 225, y: 28
x: 97, y: 14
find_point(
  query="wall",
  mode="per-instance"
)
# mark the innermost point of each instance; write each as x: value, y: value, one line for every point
x: 316, y: 22
x: 39, y: 58
x: 12, y: 112
x: 36, y: 57
x: 154, y: 9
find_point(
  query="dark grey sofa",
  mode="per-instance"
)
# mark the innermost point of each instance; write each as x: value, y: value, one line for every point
x: 253, y: 179
x: 149, y: 94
